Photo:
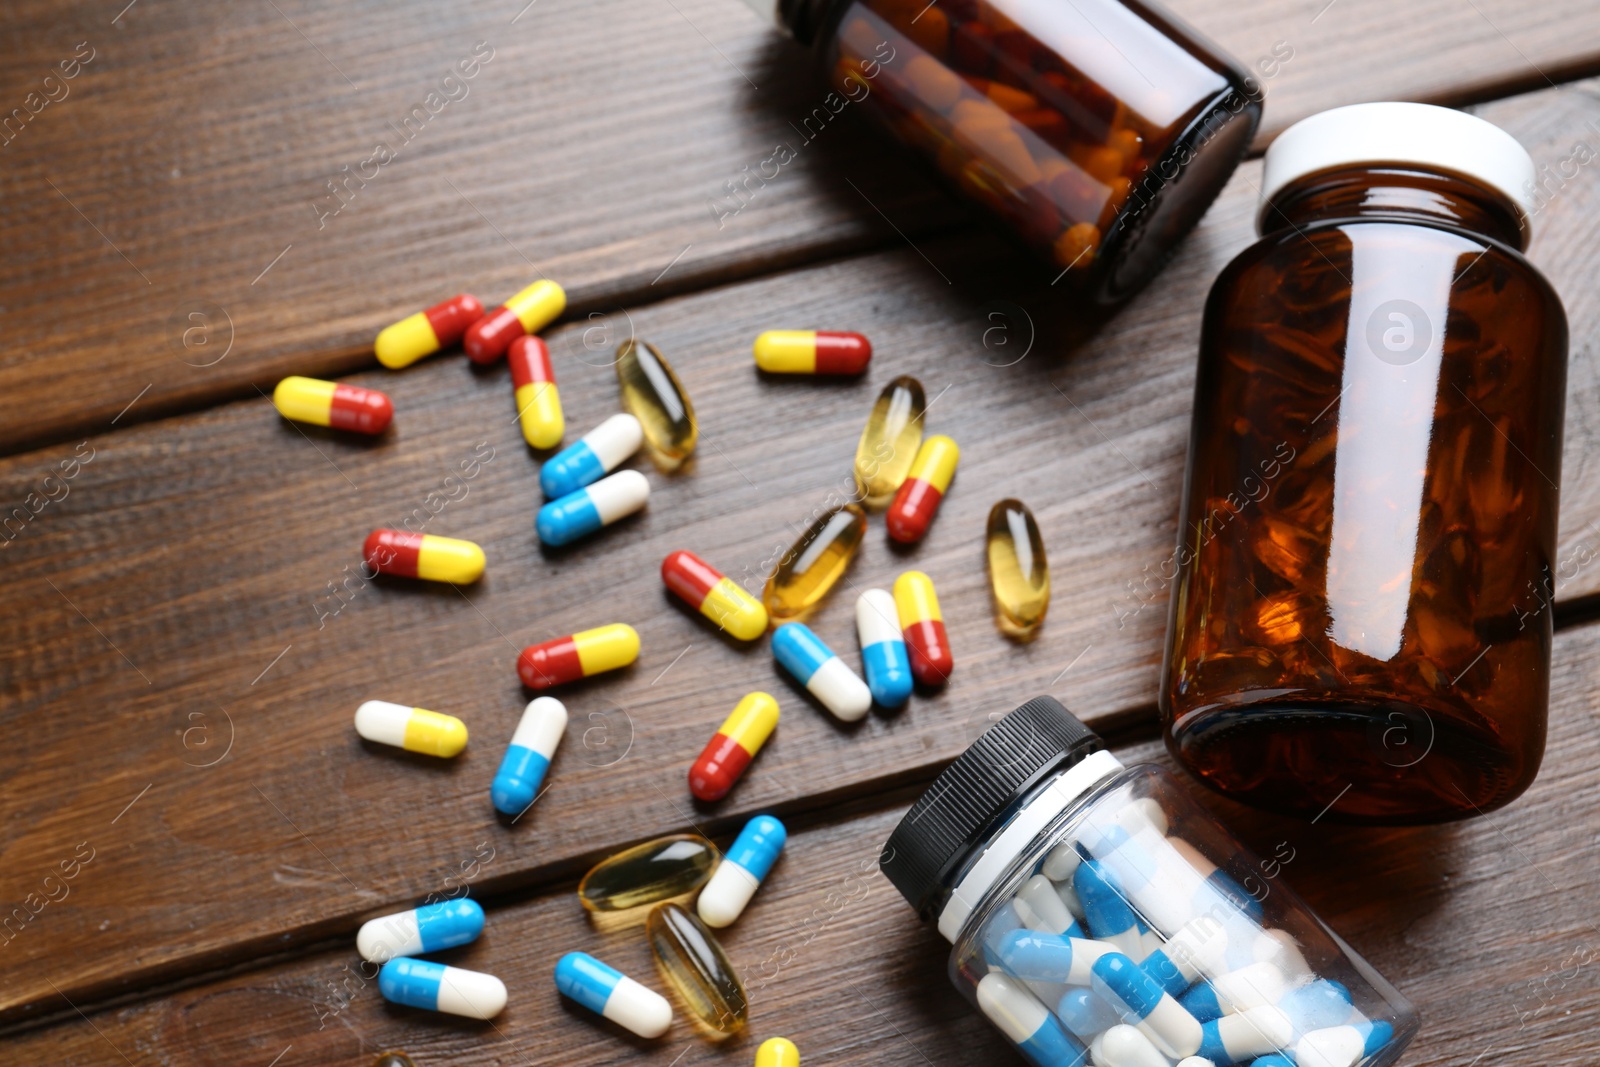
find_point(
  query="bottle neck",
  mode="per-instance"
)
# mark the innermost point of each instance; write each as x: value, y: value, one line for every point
x: 1396, y: 194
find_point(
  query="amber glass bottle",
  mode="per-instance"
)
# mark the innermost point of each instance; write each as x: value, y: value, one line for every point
x: 1098, y: 131
x: 1360, y: 621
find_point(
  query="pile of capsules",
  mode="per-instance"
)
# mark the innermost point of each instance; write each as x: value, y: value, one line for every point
x: 901, y: 633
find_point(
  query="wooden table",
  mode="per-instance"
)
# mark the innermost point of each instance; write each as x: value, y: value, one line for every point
x: 185, y: 639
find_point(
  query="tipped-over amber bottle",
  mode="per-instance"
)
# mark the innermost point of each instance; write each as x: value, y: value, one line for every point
x: 1360, y: 623
x: 1098, y: 131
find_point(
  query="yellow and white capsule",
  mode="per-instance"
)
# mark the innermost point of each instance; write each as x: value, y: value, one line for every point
x: 413, y: 729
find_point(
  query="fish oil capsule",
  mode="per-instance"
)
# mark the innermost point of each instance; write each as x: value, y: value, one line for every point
x: 777, y: 1052
x: 415, y: 336
x: 883, y: 648
x: 698, y: 970
x: 652, y: 392
x: 594, y: 455
x: 533, y: 746
x: 425, y: 556
x: 916, y: 502
x: 432, y: 928
x: 736, y: 743
x: 812, y: 352
x: 741, y: 871
x: 1020, y: 1016
x: 334, y: 404
x: 657, y: 870
x: 413, y: 729
x: 530, y: 311
x: 713, y: 595
x: 889, y: 442
x: 922, y: 624
x: 1019, y: 577
x: 611, y: 994
x: 538, y: 399
x: 566, y: 659
x: 808, y: 570
x: 435, y: 987
x: 824, y: 675
x: 577, y: 515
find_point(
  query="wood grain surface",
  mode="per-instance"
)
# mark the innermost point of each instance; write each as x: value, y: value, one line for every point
x: 172, y: 240
x: 180, y: 588
x: 1487, y: 926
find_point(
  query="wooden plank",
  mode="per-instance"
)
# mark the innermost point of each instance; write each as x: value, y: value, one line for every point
x: 178, y: 596
x: 193, y: 253
x: 1486, y: 926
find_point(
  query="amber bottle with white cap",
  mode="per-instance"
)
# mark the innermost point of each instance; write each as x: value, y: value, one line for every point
x: 1360, y: 624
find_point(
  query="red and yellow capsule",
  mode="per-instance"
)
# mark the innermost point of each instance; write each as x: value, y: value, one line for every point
x: 529, y: 311
x: 738, y: 740
x: 922, y: 626
x: 538, y: 402
x: 426, y: 556
x: 812, y: 352
x: 344, y: 407
x: 566, y: 659
x: 423, y: 334
x: 917, y: 500
x: 718, y: 598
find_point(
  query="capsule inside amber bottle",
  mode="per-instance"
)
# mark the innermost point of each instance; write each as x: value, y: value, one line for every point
x: 657, y: 870
x: 889, y: 442
x: 916, y: 502
x: 652, y: 394
x: 333, y: 404
x: 694, y: 964
x: 1019, y: 577
x: 814, y: 563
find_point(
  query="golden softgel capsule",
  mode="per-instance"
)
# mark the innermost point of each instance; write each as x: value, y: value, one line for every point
x: 1019, y: 577
x: 808, y: 570
x: 654, y: 396
x: 649, y: 873
x: 699, y: 972
x: 890, y: 441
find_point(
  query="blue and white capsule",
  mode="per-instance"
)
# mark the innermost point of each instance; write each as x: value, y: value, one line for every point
x: 435, y: 987
x: 1086, y: 1013
x: 433, y: 928
x: 1245, y: 1035
x: 1040, y: 907
x: 1317, y: 1005
x: 1342, y: 1046
x: 1106, y: 911
x: 533, y: 745
x: 1143, y: 1004
x: 579, y: 514
x: 608, y: 992
x: 1039, y: 957
x: 741, y: 871
x: 594, y: 455
x: 1029, y: 1024
x: 824, y: 675
x: 883, y: 648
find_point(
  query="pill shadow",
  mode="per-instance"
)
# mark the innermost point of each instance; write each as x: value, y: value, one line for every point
x: 400, y: 586
x: 435, y: 764
x: 582, y: 1016
x: 841, y: 382
x: 438, y: 1020
x: 327, y: 435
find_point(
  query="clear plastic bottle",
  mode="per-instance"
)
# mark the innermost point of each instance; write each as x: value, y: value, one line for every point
x: 1095, y: 908
x: 1361, y: 608
x: 1099, y: 131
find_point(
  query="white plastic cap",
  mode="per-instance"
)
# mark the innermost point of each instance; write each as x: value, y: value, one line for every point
x: 1418, y: 134
x: 767, y: 9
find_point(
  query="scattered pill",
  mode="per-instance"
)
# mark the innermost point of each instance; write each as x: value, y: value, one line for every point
x: 657, y: 870
x: 777, y: 1052
x: 413, y: 729
x: 916, y: 502
x: 1106, y: 910
x: 426, y: 556
x: 1086, y: 1013
x: 653, y: 394
x: 594, y: 455
x: 435, y: 987
x: 889, y: 442
x: 922, y: 625
x: 1247, y: 1034
x: 1143, y: 1004
x: 432, y: 928
x: 735, y: 744
x: 1041, y: 957
x: 611, y: 994
x: 1126, y: 1046
x: 343, y: 407
x: 533, y: 746
x: 814, y: 563
x: 577, y: 515
x: 719, y: 598
x: 812, y: 352
x: 566, y: 659
x: 698, y: 970
x: 538, y: 399
x: 824, y: 675
x: 415, y: 336
x: 883, y: 648
x: 741, y: 871
x: 1027, y: 1022
x: 530, y: 311
x: 1019, y: 577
